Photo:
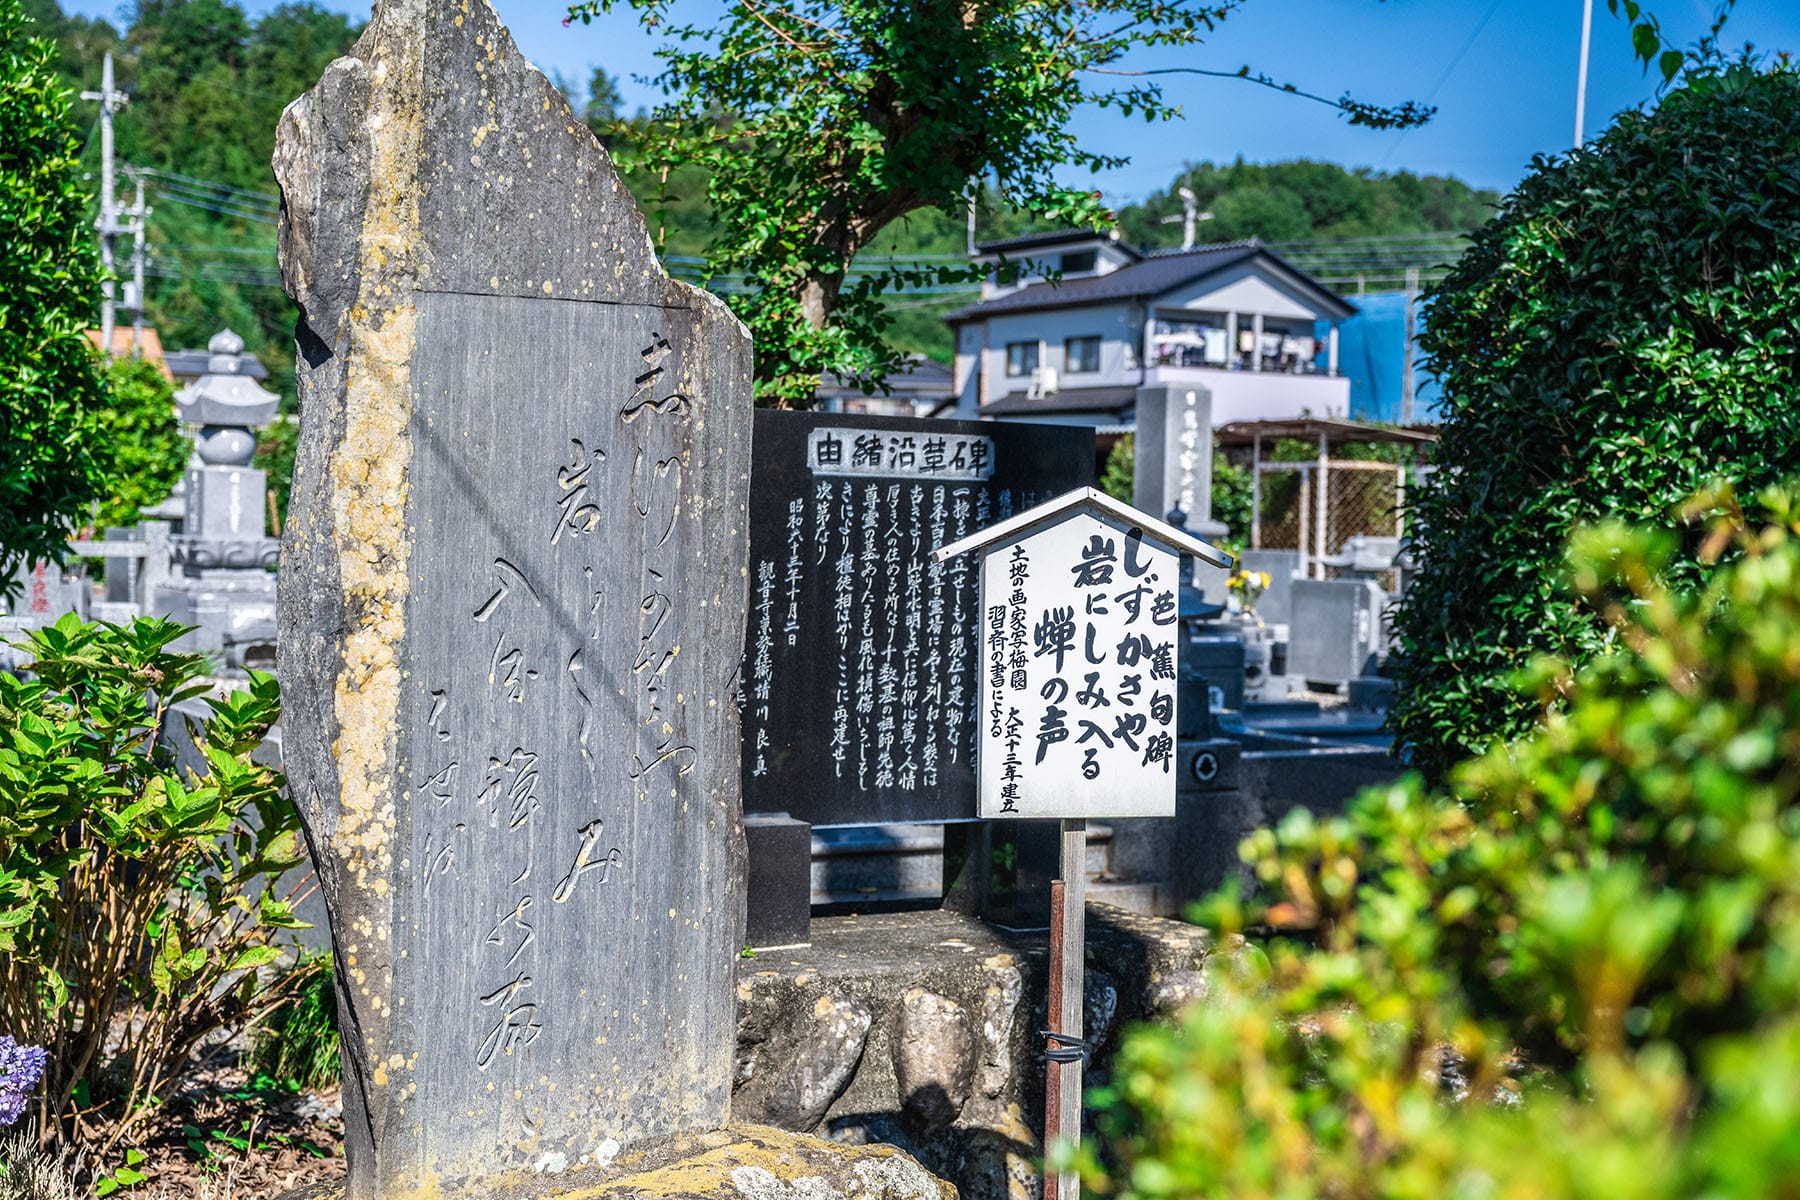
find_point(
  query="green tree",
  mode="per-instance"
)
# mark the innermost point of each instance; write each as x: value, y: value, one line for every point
x: 1571, y: 972
x: 1621, y: 331
x: 1301, y: 199
x: 1118, y: 478
x: 141, y: 447
x: 600, y: 108
x: 49, y: 388
x: 819, y: 123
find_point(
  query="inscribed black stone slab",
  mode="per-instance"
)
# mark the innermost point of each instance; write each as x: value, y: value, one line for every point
x: 511, y: 618
x: 778, y: 896
x: 860, y: 652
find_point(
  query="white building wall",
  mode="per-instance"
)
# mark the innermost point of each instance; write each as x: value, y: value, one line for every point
x: 1263, y: 395
x: 1111, y: 323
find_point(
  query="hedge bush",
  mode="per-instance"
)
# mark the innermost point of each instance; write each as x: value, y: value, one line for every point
x: 49, y: 386
x: 128, y: 889
x: 1575, y: 972
x: 1623, y: 330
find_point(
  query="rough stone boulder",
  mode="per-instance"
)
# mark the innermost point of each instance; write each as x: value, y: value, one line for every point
x: 739, y: 1162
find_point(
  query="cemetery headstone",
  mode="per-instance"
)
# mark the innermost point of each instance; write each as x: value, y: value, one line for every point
x: 223, y: 587
x: 1173, y: 454
x: 42, y: 592
x: 512, y: 611
x: 861, y: 650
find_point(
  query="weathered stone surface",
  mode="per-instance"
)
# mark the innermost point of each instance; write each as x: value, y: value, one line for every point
x: 824, y: 1060
x: 1000, y: 1161
x: 511, y: 615
x: 740, y: 1162
x: 933, y: 1058
x: 1099, y: 1007
x: 991, y: 1148
x: 999, y: 1001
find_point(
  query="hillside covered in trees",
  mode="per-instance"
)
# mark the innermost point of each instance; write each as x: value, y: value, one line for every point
x: 208, y: 83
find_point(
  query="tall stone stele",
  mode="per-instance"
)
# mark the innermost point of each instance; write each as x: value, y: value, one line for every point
x: 511, y: 615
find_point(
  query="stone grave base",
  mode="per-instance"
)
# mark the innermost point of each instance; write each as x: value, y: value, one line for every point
x: 919, y: 1030
x: 740, y: 1162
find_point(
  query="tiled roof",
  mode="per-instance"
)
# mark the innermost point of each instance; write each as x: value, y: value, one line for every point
x: 1146, y: 278
x: 920, y: 377
x: 1141, y: 280
x: 1062, y: 237
x: 1068, y: 400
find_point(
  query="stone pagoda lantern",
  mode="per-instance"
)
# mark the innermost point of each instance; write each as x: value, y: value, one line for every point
x: 222, y: 583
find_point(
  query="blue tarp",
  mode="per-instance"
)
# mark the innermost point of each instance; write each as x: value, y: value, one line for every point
x: 1372, y: 355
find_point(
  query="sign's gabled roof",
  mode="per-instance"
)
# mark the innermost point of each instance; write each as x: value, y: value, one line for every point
x: 1100, y: 504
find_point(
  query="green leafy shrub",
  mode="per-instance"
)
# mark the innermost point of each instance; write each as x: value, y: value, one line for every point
x: 1573, y: 972
x: 124, y: 888
x: 142, y: 448
x: 49, y: 386
x: 1620, y: 332
x: 298, y: 1041
x: 1121, y: 469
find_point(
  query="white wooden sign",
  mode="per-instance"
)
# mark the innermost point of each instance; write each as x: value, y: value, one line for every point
x: 1079, y: 630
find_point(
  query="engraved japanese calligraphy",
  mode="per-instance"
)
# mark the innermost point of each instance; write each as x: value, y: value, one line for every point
x: 512, y: 640
x: 861, y: 653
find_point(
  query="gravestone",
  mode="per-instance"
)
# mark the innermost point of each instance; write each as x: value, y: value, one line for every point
x: 511, y: 618
x: 862, y: 652
x: 223, y: 588
x: 1173, y: 454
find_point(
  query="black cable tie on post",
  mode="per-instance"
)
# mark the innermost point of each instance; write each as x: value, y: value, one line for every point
x: 1067, y: 1049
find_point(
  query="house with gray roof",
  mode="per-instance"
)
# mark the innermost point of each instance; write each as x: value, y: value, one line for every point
x: 1070, y: 325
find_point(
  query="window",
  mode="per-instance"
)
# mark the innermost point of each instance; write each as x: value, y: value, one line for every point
x: 1021, y: 358
x: 1081, y: 354
x: 1080, y: 260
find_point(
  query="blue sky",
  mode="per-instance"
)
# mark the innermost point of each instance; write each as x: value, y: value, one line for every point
x: 1502, y: 73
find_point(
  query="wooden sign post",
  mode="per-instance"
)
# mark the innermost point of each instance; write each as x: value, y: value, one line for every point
x: 1079, y: 663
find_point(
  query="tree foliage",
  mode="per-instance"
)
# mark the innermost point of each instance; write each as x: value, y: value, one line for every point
x: 1292, y: 200
x: 1572, y: 972
x: 49, y: 387
x: 1622, y: 330
x: 818, y: 123
x: 141, y: 450
x: 207, y: 84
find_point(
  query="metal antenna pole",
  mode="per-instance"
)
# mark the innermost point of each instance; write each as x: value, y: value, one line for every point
x: 1587, y: 29
x: 108, y: 223
x: 1406, y: 363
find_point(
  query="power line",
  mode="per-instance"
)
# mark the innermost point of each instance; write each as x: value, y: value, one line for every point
x: 269, y: 200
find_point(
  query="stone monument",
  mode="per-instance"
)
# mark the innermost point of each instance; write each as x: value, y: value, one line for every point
x: 1174, y: 452
x: 222, y: 585
x: 511, y: 617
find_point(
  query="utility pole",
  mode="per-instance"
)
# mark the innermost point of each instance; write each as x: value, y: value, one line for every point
x: 139, y: 218
x: 1587, y: 29
x: 111, y: 100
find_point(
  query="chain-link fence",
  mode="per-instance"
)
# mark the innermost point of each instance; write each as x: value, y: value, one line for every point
x: 1361, y: 499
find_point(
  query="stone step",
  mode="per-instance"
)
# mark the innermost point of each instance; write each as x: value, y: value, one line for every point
x: 1148, y: 899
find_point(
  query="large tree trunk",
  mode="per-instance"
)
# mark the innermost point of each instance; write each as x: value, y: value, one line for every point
x: 818, y: 292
